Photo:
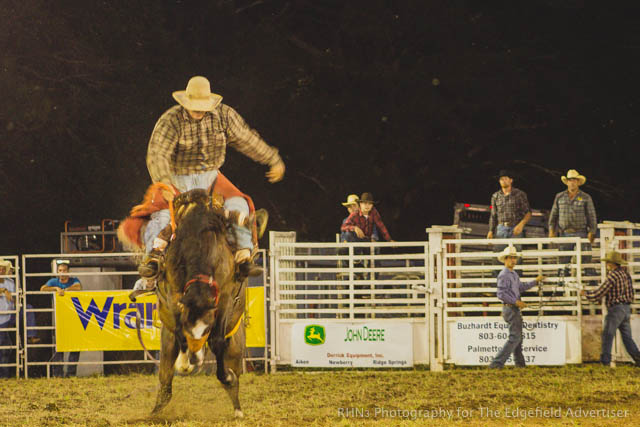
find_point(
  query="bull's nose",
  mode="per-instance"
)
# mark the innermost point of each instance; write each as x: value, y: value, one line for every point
x: 195, y: 345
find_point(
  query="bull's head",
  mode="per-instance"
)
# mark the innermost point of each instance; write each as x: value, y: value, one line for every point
x: 197, y: 317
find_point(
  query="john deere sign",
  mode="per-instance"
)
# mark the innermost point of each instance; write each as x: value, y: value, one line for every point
x: 314, y: 334
x: 376, y: 345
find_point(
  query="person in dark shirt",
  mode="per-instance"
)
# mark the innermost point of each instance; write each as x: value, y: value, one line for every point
x: 617, y: 290
x: 510, y: 210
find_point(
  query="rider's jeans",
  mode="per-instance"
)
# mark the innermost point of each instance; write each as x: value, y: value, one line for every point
x: 160, y: 219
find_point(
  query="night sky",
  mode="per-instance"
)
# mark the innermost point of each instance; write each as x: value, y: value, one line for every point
x: 419, y: 102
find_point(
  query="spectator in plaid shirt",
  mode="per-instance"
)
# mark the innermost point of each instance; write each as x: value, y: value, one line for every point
x: 573, y: 215
x: 186, y: 150
x: 618, y: 292
x: 362, y: 222
x: 510, y: 210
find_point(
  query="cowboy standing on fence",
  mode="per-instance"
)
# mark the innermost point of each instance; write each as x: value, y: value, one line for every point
x: 510, y: 288
x: 187, y: 149
x: 510, y: 210
x: 573, y: 215
x: 618, y: 292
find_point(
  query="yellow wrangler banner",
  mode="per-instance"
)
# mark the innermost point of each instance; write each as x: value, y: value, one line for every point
x: 104, y: 320
x: 255, y: 330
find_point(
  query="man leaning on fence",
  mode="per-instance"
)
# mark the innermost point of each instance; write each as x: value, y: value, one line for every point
x: 618, y: 292
x: 573, y: 215
x: 510, y: 289
x: 60, y: 285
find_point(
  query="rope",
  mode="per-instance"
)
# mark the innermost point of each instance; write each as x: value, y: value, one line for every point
x: 541, y: 303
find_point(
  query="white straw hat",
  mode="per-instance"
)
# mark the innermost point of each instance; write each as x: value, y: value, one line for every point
x: 508, y: 251
x: 198, y: 96
x: 352, y: 199
x: 573, y: 174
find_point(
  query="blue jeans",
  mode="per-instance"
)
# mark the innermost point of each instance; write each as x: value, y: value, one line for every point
x: 505, y: 232
x: 513, y: 317
x: 618, y: 318
x: 586, y: 259
x: 31, y: 320
x: 5, y: 340
x: 160, y: 219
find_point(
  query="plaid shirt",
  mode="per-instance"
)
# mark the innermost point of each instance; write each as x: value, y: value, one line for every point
x: 618, y: 288
x: 509, y: 208
x: 578, y: 214
x: 366, y: 224
x: 180, y: 145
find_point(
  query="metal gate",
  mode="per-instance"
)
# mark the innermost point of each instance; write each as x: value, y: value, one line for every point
x: 348, y: 283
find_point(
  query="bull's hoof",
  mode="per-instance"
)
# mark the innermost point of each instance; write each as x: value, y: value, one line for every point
x: 161, y: 402
x: 238, y: 413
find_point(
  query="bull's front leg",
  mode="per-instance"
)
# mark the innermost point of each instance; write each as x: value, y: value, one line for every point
x: 168, y: 356
x: 233, y: 368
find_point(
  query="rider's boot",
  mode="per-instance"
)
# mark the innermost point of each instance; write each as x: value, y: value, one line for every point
x: 151, y: 264
x: 245, y: 263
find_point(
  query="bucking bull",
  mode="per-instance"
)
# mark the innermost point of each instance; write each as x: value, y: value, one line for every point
x: 201, y: 298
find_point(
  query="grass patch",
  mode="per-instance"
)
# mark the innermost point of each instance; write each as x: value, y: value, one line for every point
x: 296, y: 398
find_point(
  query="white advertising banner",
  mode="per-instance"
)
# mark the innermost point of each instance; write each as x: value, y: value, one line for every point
x: 356, y: 345
x: 476, y: 342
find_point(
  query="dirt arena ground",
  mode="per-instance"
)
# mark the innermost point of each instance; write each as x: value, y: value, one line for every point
x: 572, y: 395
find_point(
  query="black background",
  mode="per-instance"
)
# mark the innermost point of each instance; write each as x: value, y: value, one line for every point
x: 419, y: 102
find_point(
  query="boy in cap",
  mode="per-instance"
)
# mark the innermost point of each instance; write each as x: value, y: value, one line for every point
x: 363, y: 221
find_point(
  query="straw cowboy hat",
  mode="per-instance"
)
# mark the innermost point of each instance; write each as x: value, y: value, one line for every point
x: 367, y: 198
x: 198, y: 96
x: 352, y: 199
x: 508, y: 251
x: 573, y: 174
x: 614, y: 257
x: 5, y: 263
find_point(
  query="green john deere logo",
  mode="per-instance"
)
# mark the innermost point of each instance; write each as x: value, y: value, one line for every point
x: 314, y: 335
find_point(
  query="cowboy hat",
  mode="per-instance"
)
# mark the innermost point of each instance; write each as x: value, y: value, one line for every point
x: 508, y: 251
x: 505, y: 172
x: 367, y: 198
x: 6, y: 263
x: 352, y: 199
x: 573, y: 174
x: 198, y: 96
x: 614, y: 257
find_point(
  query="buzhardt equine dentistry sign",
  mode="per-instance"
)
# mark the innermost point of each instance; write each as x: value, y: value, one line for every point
x: 357, y: 345
x: 476, y: 342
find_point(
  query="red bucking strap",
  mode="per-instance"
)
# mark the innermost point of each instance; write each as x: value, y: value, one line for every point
x: 209, y: 280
